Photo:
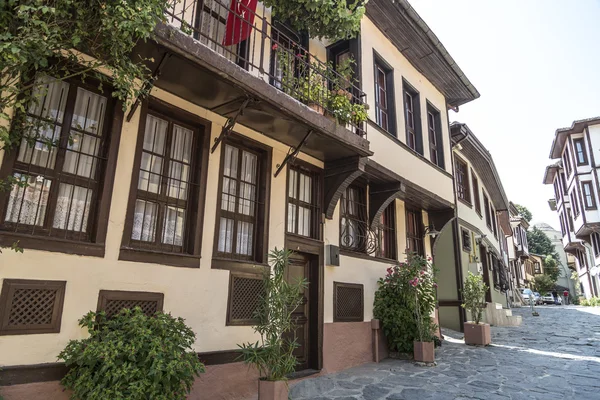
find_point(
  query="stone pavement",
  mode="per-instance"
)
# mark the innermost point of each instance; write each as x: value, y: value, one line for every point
x: 553, y: 356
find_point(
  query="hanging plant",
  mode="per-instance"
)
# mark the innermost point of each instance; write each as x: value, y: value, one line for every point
x: 330, y: 19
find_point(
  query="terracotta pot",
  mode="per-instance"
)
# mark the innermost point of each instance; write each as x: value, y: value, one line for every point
x: 343, y: 92
x: 424, y: 351
x: 273, y: 390
x: 317, y: 108
x: 477, y: 334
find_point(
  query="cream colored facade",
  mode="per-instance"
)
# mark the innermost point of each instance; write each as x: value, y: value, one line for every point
x: 200, y: 294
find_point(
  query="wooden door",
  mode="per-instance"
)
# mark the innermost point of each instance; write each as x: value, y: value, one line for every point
x: 483, y: 254
x: 299, y: 268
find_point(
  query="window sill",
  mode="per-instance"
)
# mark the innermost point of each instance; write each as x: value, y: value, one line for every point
x: 465, y: 202
x: 159, y: 257
x: 238, y: 266
x: 356, y: 254
x: 52, y: 244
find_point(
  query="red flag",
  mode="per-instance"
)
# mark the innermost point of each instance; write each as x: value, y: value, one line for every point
x: 239, y: 21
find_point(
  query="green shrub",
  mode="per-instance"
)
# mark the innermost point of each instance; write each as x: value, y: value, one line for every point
x: 591, y: 302
x: 131, y: 356
x: 474, y: 296
x: 405, y: 287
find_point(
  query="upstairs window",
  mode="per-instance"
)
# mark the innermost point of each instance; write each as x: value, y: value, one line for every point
x: 434, y: 129
x: 476, y: 197
x: 354, y: 219
x: 580, y: 153
x: 304, y: 210
x: 563, y: 182
x: 567, y: 160
x: 59, y: 167
x: 384, y: 95
x: 575, y: 201
x: 462, y: 181
x: 494, y: 221
x: 466, y: 240
x: 488, y: 214
x: 596, y: 243
x: 589, y: 199
x: 570, y: 215
x: 412, y: 118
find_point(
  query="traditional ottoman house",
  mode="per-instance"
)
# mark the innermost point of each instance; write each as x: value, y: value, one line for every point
x: 480, y: 232
x: 574, y: 175
x: 177, y: 206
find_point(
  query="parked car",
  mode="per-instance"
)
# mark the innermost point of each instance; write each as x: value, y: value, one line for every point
x: 526, y: 294
x: 549, y: 299
x: 538, y: 298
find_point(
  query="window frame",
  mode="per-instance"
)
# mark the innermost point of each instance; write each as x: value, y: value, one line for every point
x: 264, y: 166
x: 591, y: 196
x: 379, y: 64
x: 130, y: 249
x: 386, y: 233
x: 463, y: 189
x: 337, y: 318
x: 416, y: 130
x: 317, y: 175
x: 476, y: 196
x: 574, y: 200
x: 467, y: 246
x: 104, y: 296
x: 229, y: 320
x: 362, y: 221
x: 436, y: 133
x: 578, y: 153
x: 596, y: 243
x: 417, y: 236
x: 488, y: 211
x: 567, y: 160
x: 105, y: 170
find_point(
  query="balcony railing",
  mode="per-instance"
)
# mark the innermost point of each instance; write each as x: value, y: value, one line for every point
x: 271, y: 53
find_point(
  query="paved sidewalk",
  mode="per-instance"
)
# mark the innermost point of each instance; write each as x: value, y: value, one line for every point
x: 553, y: 356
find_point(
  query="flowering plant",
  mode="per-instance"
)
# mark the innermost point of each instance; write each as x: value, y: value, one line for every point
x: 405, y: 301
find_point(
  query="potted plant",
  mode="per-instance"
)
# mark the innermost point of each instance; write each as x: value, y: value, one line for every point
x: 404, y: 303
x: 272, y: 355
x: 476, y: 332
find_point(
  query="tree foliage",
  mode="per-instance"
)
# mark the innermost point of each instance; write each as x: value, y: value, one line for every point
x: 274, y: 356
x: 543, y: 284
x: 132, y: 356
x: 524, y: 212
x: 539, y: 243
x: 551, y: 268
x: 404, y: 302
x: 331, y: 19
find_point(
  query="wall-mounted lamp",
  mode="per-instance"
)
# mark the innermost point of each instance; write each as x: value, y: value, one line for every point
x: 479, y: 240
x: 431, y: 231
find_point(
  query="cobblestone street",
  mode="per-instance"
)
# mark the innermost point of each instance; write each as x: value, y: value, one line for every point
x: 553, y: 356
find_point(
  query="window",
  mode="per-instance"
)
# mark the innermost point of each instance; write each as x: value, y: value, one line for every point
x: 561, y: 217
x: 386, y: 233
x: 494, y: 222
x: 286, y: 44
x: 476, y: 197
x: 434, y: 129
x: 354, y: 219
x: 488, y: 215
x: 241, y: 219
x: 113, y: 301
x: 567, y: 160
x: 574, y: 200
x: 304, y: 211
x: 245, y: 291
x: 30, y: 306
x: 580, y: 154
x: 570, y: 215
x: 462, y: 181
x: 60, y: 166
x: 596, y: 243
x: 466, y: 240
x: 537, y: 268
x: 412, y: 118
x: 162, y: 214
x: 563, y: 181
x: 557, y: 190
x: 384, y: 96
x: 589, y: 200
x: 348, y: 302
x: 414, y: 232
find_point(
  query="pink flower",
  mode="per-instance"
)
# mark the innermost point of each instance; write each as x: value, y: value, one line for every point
x: 274, y: 46
x: 428, y: 258
x: 422, y: 272
x: 434, y: 284
x: 389, y: 271
x: 298, y: 55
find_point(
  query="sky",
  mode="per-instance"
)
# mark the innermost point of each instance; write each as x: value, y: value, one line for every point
x: 536, y: 64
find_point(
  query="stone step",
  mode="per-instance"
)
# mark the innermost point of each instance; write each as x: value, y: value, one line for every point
x: 508, y: 312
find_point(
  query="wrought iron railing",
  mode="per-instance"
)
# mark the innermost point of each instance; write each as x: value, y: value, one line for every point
x: 271, y: 54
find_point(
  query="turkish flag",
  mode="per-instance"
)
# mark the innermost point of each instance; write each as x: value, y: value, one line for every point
x: 239, y: 21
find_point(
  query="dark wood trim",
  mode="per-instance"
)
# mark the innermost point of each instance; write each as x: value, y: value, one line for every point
x: 22, y: 374
x: 159, y: 257
x: 318, y: 175
x: 585, y: 156
x: 380, y: 197
x: 52, y: 244
x: 238, y: 266
x: 360, y: 286
x: 9, y: 286
x: 390, y: 90
x: 303, y: 244
x: 265, y: 157
x: 364, y: 256
x: 466, y: 203
x: 590, y: 149
x: 592, y: 193
x: 104, y: 296
x: 220, y: 357
x: 229, y: 321
x: 408, y: 88
x: 339, y: 174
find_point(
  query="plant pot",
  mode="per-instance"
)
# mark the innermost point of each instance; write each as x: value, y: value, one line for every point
x: 273, y: 390
x: 344, y: 92
x: 424, y: 351
x: 477, y: 334
x: 317, y: 108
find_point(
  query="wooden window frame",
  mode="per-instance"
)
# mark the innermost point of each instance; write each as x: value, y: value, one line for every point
x: 337, y: 318
x: 567, y: 160
x: 189, y: 257
x: 417, y: 236
x: 596, y: 243
x: 229, y: 321
x: 488, y: 211
x: 574, y: 200
x: 362, y: 223
x: 414, y: 112
x: 580, y: 142
x: 317, y: 175
x: 494, y: 221
x: 104, y: 296
x: 463, y: 186
x: 387, y: 233
x: 467, y: 246
x: 100, y: 204
x: 592, y: 197
x: 437, y: 145
x: 570, y: 221
x: 476, y: 196
x: 260, y: 250
x: 9, y: 286
x: 379, y: 64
